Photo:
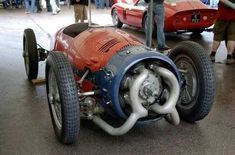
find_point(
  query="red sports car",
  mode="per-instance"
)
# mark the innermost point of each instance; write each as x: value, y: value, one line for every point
x: 182, y: 15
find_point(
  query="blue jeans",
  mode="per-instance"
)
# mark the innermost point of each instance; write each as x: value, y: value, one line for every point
x: 158, y: 12
x: 33, y: 6
x: 27, y: 6
x: 99, y: 4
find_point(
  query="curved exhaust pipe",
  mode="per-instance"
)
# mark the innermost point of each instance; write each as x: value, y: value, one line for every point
x: 138, y: 110
x: 169, y: 106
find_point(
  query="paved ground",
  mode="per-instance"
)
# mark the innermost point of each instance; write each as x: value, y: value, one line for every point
x: 25, y: 126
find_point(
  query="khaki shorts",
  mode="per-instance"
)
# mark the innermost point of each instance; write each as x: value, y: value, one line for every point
x: 224, y: 29
x: 80, y: 12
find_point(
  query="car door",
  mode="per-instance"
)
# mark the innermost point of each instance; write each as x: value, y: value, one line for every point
x: 135, y: 12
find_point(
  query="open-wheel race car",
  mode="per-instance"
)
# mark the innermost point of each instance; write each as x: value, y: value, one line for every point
x: 103, y: 73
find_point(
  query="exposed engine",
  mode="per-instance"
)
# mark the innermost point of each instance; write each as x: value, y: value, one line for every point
x: 137, y: 84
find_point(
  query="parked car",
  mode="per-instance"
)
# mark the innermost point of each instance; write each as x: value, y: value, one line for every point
x: 180, y: 16
x: 104, y: 72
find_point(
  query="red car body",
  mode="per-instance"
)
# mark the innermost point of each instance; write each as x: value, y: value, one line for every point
x: 92, y: 40
x: 94, y: 73
x: 189, y: 15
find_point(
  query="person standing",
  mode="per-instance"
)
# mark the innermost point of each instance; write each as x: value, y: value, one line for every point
x: 159, y: 16
x: 224, y: 27
x: 80, y: 10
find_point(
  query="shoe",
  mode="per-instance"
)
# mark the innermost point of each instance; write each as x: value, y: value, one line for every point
x: 212, y: 56
x: 58, y: 11
x: 39, y: 10
x: 163, y: 48
x: 54, y: 13
x: 229, y: 60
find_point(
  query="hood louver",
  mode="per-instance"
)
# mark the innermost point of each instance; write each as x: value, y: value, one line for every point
x: 105, y: 48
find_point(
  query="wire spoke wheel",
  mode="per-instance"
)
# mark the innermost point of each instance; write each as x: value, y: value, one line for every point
x: 54, y: 99
x: 62, y: 97
x: 198, y: 80
x: 190, y: 89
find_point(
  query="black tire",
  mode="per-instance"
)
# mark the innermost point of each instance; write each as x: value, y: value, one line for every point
x: 198, y: 89
x: 62, y: 98
x: 115, y: 19
x: 30, y: 54
x: 198, y: 31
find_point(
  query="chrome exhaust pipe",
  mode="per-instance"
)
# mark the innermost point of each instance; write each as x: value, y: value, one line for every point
x: 169, y: 107
x: 138, y: 111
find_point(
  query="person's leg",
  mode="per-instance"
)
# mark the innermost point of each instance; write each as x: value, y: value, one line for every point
x: 38, y: 6
x: 26, y: 5
x: 219, y: 30
x: 97, y: 5
x: 17, y: 3
x: 230, y: 46
x: 159, y: 17
x: 33, y: 6
x: 107, y: 3
x: 57, y: 5
x: 79, y: 13
x: 231, y: 41
x: 231, y: 37
x: 54, y: 7
x: 101, y: 2
x: 84, y: 12
x: 48, y: 5
x: 215, y: 45
x: 75, y: 13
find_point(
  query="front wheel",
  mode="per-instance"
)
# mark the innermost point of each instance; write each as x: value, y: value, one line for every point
x: 30, y: 54
x: 62, y: 98
x: 198, y: 80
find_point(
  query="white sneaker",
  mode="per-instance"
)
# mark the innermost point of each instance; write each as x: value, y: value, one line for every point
x: 54, y: 13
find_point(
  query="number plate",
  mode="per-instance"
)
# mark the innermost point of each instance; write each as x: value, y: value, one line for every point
x: 195, y: 18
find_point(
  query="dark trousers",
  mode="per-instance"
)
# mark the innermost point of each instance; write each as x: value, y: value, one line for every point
x: 49, y: 9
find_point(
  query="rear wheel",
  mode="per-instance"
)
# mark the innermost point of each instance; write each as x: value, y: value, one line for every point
x: 198, y: 88
x: 116, y: 20
x: 30, y: 54
x: 62, y: 98
x: 198, y: 31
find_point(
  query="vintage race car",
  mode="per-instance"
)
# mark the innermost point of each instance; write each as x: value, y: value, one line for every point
x: 180, y: 16
x: 103, y: 74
